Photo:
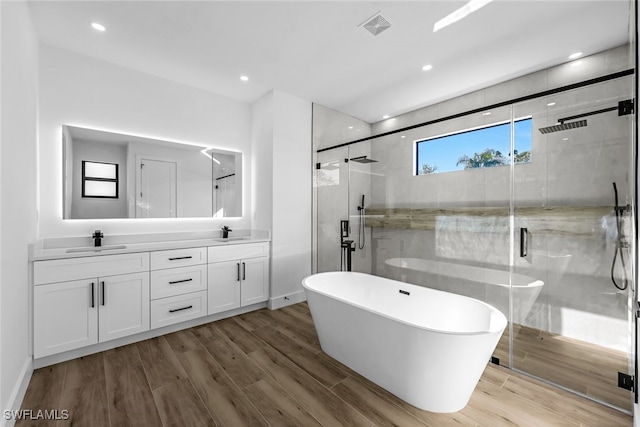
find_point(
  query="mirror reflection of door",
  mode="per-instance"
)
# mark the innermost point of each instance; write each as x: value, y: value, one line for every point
x: 157, y: 189
x: 225, y: 197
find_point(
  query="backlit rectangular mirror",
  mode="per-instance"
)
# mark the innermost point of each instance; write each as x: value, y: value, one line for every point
x: 112, y: 175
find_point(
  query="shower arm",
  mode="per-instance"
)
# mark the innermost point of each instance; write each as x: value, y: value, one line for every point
x: 624, y: 107
x: 604, y: 110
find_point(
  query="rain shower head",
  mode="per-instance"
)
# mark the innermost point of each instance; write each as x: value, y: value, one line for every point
x: 563, y: 126
x: 624, y: 108
x: 362, y: 159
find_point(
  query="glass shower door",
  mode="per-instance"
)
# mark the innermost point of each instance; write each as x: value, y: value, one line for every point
x: 331, y: 185
x: 570, y: 321
x: 439, y: 206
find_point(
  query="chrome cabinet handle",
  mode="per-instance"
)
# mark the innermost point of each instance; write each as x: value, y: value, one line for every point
x: 244, y: 271
x: 524, y: 242
x: 102, y: 292
x: 180, y: 257
x: 180, y: 309
x: 93, y: 296
x: 238, y: 275
x: 180, y: 281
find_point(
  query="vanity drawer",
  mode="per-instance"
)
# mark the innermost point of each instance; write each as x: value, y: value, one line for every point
x: 167, y: 311
x: 177, y: 281
x: 178, y: 258
x: 62, y: 270
x: 238, y: 251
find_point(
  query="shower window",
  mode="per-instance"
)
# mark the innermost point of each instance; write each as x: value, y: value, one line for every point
x: 482, y: 147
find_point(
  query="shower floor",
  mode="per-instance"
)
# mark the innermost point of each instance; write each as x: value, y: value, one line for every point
x: 586, y: 368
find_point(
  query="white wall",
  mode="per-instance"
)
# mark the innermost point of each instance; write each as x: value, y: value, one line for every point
x: 262, y: 162
x: 291, y: 244
x: 18, y: 171
x: 281, y: 145
x: 82, y: 91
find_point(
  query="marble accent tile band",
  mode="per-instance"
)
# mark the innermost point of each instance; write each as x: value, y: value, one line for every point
x: 586, y: 221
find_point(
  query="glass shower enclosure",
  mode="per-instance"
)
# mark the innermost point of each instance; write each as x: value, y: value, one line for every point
x: 527, y: 205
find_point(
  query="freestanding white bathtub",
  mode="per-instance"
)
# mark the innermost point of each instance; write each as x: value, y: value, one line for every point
x: 427, y: 347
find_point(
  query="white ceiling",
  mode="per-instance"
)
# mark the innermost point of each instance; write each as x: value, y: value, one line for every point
x: 317, y: 51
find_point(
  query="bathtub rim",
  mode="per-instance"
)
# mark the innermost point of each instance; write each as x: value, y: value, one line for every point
x: 502, y: 319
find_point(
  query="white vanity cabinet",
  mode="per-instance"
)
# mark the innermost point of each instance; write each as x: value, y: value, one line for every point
x: 238, y: 275
x: 83, y: 301
x: 136, y: 291
x: 178, y: 286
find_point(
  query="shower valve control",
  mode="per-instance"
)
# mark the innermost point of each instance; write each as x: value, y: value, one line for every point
x: 625, y: 107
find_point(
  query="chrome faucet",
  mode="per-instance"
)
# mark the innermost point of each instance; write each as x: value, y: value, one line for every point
x: 97, y: 238
x: 225, y: 231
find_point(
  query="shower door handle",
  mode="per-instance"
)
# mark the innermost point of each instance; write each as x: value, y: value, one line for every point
x: 524, y: 242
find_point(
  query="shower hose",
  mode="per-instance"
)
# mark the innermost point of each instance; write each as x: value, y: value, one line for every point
x: 361, y: 228
x: 619, y: 246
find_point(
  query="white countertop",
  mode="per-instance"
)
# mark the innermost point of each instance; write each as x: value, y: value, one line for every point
x: 75, y: 247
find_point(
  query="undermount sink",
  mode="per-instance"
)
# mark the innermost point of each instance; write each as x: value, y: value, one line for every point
x: 232, y: 239
x: 96, y: 248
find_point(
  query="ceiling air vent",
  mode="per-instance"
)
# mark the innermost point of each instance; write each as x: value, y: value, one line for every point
x: 376, y: 25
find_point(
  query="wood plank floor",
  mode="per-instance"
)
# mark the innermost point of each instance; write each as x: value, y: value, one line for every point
x: 266, y: 368
x: 586, y: 368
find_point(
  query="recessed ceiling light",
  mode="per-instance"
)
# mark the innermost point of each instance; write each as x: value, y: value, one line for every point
x: 350, y: 127
x: 403, y: 136
x: 244, y: 78
x: 575, y: 55
x: 486, y: 113
x: 386, y: 116
x: 98, y: 27
x: 551, y: 104
x: 427, y: 67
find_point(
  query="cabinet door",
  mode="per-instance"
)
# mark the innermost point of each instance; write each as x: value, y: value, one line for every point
x: 255, y: 280
x: 224, y: 286
x: 65, y: 316
x: 124, y: 305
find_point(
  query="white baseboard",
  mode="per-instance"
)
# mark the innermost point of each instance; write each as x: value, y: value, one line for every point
x: 285, y: 300
x: 19, y: 390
